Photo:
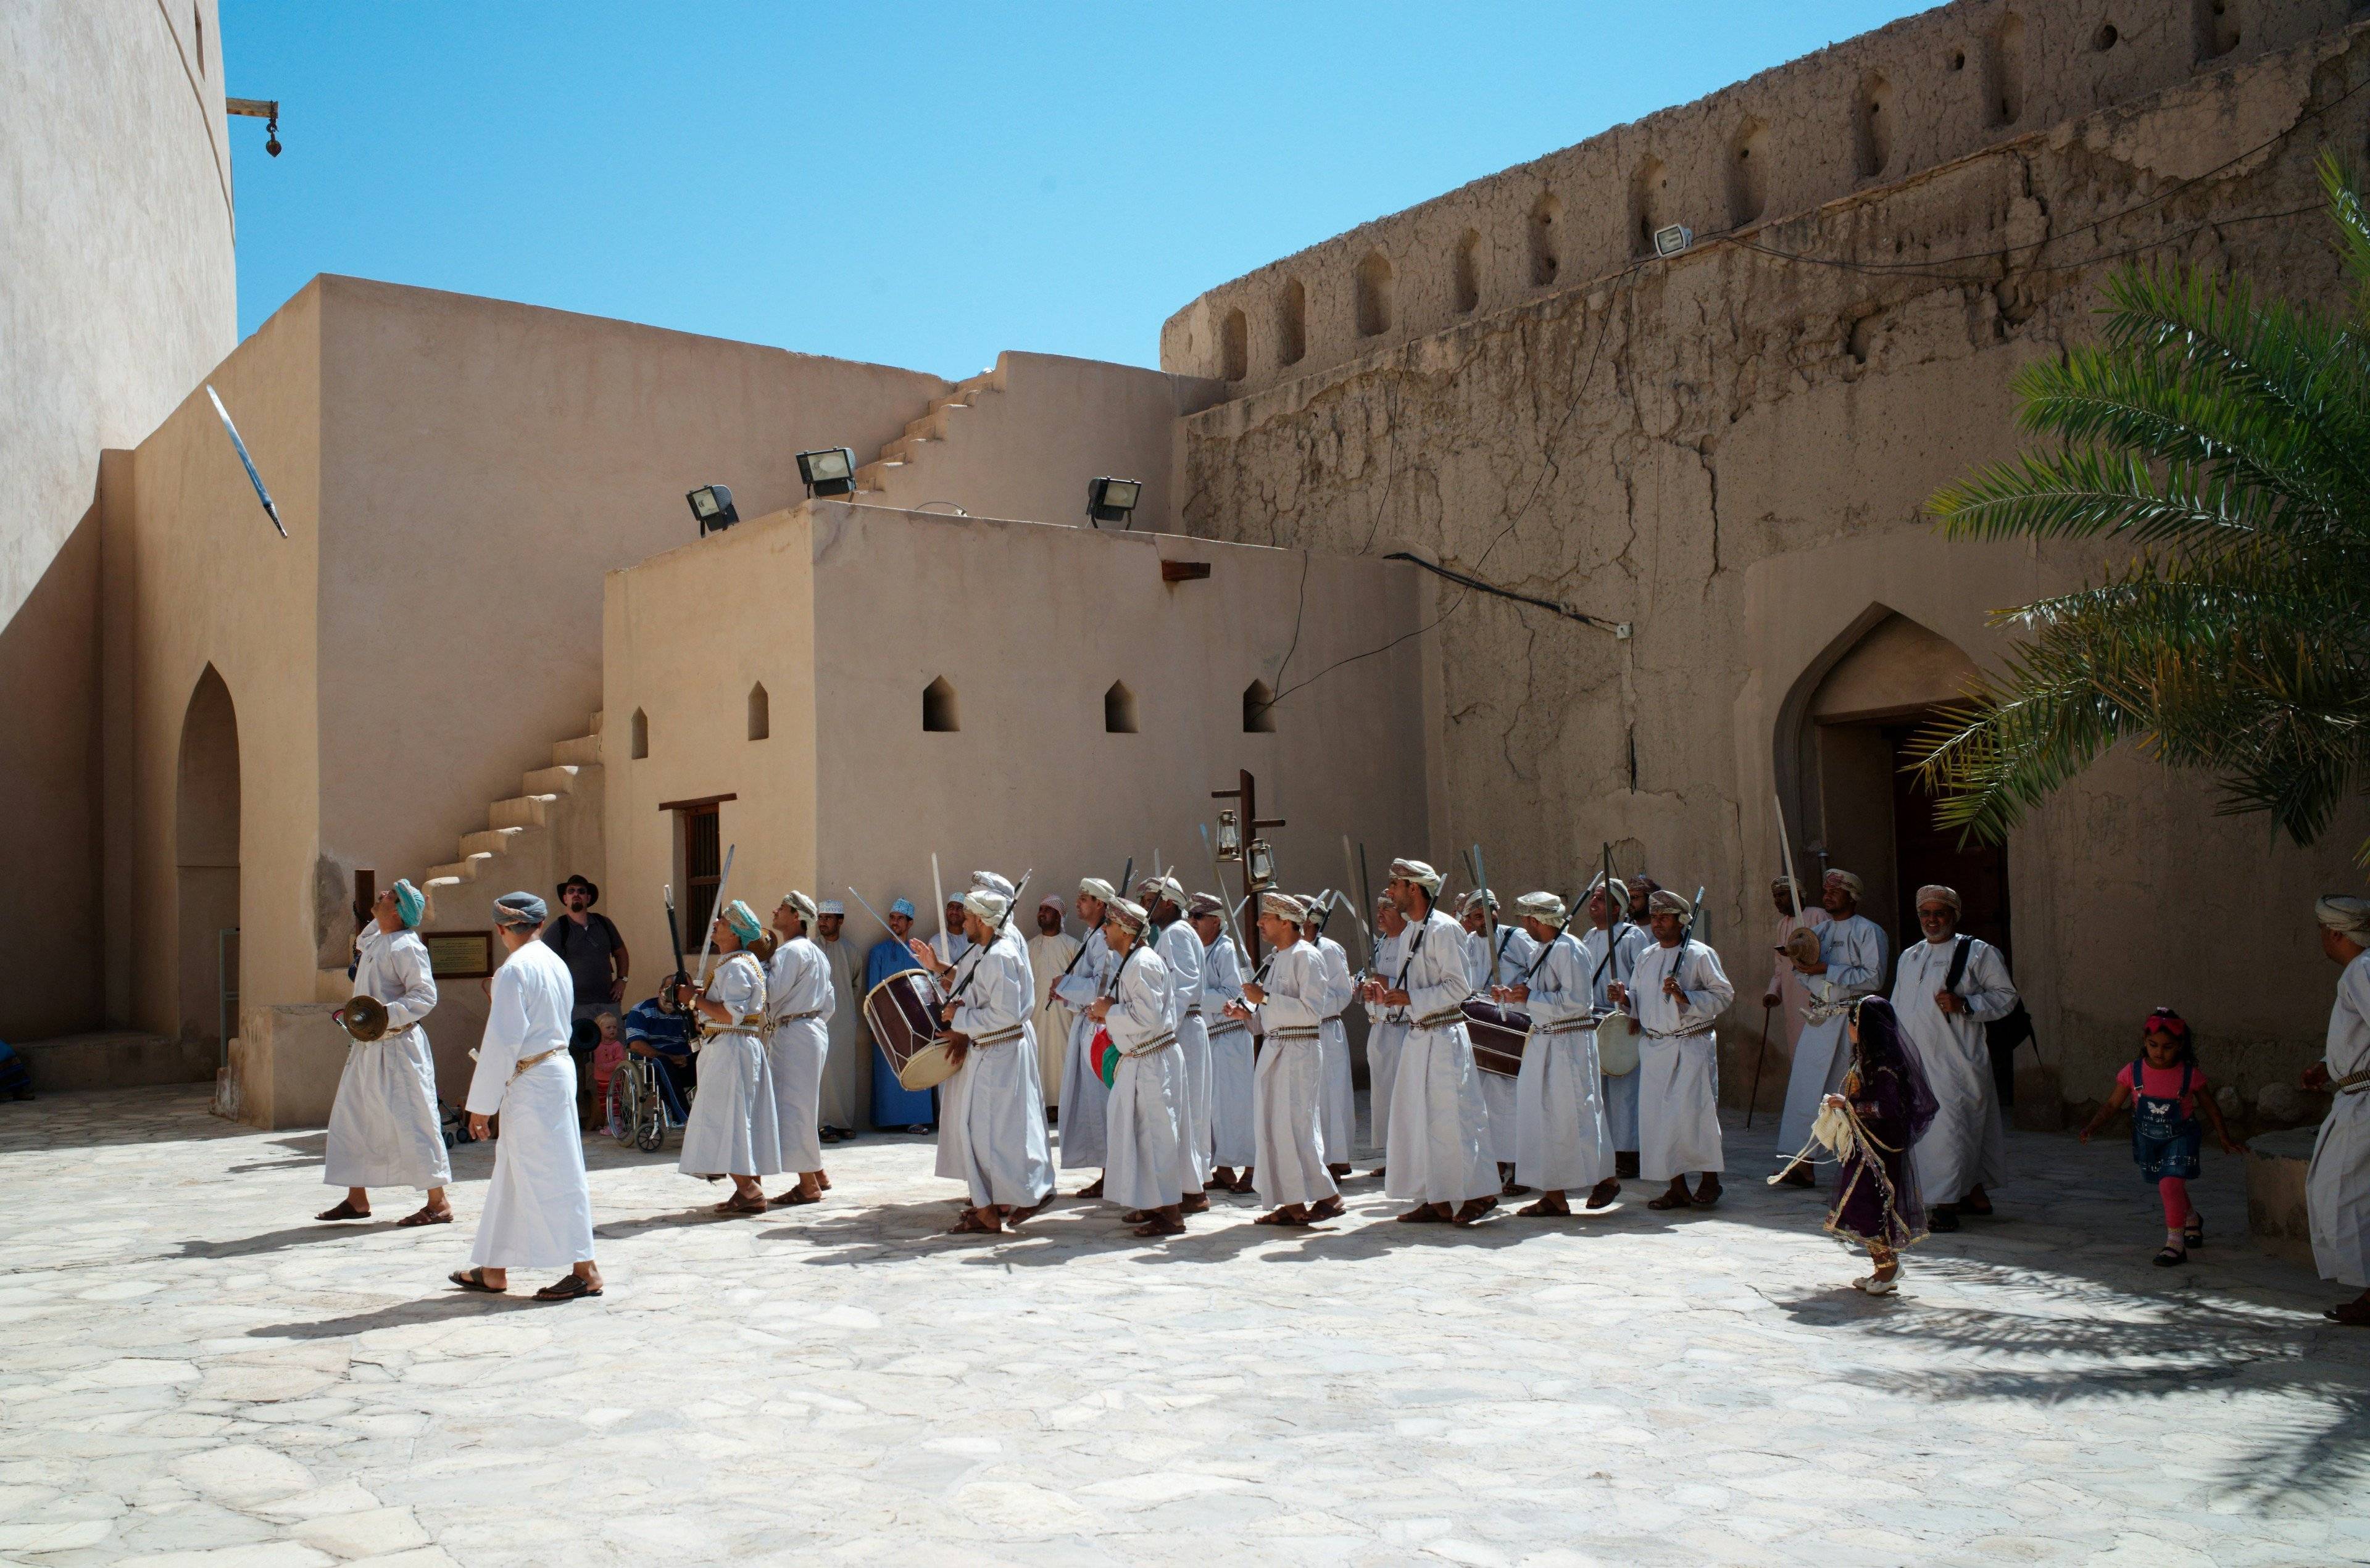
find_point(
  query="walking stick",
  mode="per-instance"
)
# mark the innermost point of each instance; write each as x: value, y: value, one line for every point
x: 1756, y: 1066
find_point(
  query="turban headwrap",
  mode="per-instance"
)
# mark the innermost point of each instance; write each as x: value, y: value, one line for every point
x: 2346, y: 915
x: 1050, y: 901
x: 1125, y: 911
x: 987, y: 904
x: 1665, y: 902
x: 1283, y: 906
x: 1095, y: 888
x: 1852, y: 884
x: 744, y: 920
x: 800, y: 902
x: 1156, y: 887
x: 1416, y: 872
x: 1546, y: 907
x: 410, y: 903
x: 1482, y: 900
x: 993, y: 883
x: 1205, y: 904
x: 902, y: 906
x: 519, y: 909
x: 1620, y: 891
x: 1935, y: 893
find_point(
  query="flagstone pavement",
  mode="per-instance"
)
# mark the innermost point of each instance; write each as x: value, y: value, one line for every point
x: 192, y: 1372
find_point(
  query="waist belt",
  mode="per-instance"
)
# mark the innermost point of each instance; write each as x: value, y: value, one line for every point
x: 1157, y: 1043
x: 1677, y: 1033
x: 1820, y: 1012
x: 1295, y: 1033
x: 996, y: 1038
x: 2351, y: 1083
x: 1569, y: 1026
x: 1192, y: 1012
x: 1225, y: 1025
x: 536, y: 1059
x: 1443, y: 1019
x: 797, y: 1017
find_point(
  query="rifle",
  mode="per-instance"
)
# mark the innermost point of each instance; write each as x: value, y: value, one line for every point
x: 1365, y: 935
x: 667, y: 1002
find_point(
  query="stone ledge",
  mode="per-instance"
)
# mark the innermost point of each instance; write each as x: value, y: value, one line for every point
x: 116, y: 1060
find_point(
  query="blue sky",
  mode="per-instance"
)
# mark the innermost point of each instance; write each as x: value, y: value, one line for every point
x: 922, y: 184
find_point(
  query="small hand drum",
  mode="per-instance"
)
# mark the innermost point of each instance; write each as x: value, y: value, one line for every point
x: 1616, y: 1045
x: 365, y: 1017
x: 1802, y: 945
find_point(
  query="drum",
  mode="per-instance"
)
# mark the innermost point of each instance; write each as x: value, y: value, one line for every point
x: 1497, y: 1033
x: 1616, y: 1045
x: 903, y: 1012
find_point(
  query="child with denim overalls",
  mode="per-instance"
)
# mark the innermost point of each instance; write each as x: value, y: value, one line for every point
x: 2167, y: 1094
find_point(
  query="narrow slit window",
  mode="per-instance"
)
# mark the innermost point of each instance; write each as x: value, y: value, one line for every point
x: 1259, y: 708
x: 642, y: 731
x: 761, y: 716
x: 1118, y: 710
x: 939, y: 707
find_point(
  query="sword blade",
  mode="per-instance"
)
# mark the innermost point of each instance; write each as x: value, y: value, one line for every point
x: 247, y: 463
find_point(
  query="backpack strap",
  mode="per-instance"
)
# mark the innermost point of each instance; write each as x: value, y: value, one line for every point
x: 1958, y: 964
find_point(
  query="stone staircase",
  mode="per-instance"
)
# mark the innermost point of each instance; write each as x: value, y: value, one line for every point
x: 555, y: 818
x: 894, y: 478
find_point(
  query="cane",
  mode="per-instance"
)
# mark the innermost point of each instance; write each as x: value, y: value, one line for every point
x: 1756, y: 1066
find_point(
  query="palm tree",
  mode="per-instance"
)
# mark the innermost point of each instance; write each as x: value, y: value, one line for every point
x: 2229, y: 441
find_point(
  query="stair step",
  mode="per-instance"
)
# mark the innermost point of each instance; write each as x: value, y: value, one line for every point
x: 522, y: 811
x: 875, y: 475
x: 933, y: 426
x: 983, y: 382
x: 903, y: 449
x: 557, y: 779
x: 489, y: 841
x: 463, y: 870
x: 582, y: 751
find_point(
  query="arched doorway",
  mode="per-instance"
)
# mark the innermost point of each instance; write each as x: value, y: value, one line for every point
x: 205, y: 852
x: 1857, y: 806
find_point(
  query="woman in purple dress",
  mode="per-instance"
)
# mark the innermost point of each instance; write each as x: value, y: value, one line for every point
x: 1888, y: 1105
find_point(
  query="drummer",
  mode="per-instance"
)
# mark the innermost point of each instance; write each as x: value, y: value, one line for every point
x: 1497, y: 952
x: 1560, y: 1139
x: 992, y: 1112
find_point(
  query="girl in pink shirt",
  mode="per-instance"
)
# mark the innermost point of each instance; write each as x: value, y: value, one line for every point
x: 2170, y: 1111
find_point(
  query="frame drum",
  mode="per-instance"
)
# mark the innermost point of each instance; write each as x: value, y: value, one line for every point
x: 1497, y: 1033
x: 903, y: 1012
x: 1617, y: 1045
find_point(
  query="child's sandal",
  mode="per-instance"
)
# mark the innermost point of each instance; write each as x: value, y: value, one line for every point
x: 2194, y: 1234
x: 2172, y: 1257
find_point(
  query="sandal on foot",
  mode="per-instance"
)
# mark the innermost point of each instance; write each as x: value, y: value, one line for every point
x: 2172, y: 1257
x: 1422, y: 1213
x: 1871, y: 1285
x: 1472, y: 1210
x: 1242, y: 1185
x: 1706, y: 1199
x: 970, y: 1225
x: 2353, y: 1314
x: 1160, y: 1228
x: 567, y: 1289
x: 1012, y: 1219
x: 1329, y: 1208
x: 1796, y: 1175
x: 792, y: 1199
x: 2193, y: 1234
x: 1540, y: 1210
x: 1604, y: 1193
x: 426, y: 1216
x: 1512, y: 1189
x: 474, y: 1279
x: 344, y: 1210
x: 1135, y: 1216
x: 1196, y: 1203
x: 1672, y: 1201
x: 736, y: 1203
x: 1297, y: 1221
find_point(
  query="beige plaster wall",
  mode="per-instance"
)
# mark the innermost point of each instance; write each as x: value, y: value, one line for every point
x: 193, y: 577
x: 116, y: 293
x: 1032, y: 624
x: 1032, y: 435
x: 1858, y: 116
x: 1731, y: 453
x: 484, y: 463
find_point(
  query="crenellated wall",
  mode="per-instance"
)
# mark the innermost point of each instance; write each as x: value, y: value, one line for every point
x: 1864, y: 114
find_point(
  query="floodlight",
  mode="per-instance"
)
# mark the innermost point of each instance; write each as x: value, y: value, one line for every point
x: 1230, y: 836
x: 1111, y: 500
x: 712, y: 505
x: 1672, y: 239
x: 830, y: 471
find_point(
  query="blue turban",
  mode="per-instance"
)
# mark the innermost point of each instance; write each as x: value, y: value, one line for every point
x: 903, y: 907
x: 409, y: 902
x: 519, y: 909
x: 744, y: 920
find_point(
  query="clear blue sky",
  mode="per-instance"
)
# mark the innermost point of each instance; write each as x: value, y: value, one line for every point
x: 918, y: 184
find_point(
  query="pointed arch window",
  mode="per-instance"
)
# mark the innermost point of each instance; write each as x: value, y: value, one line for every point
x: 1118, y: 710
x: 1259, y: 708
x: 939, y: 707
x: 761, y: 713
x: 641, y: 733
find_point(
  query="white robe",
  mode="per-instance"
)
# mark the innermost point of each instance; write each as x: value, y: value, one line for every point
x: 1385, y: 1037
x: 538, y: 1210
x: 992, y: 1112
x: 1085, y: 1140
x: 1287, y: 1120
x: 1231, y: 1058
x: 1562, y: 1143
x: 735, y: 1128
x: 1678, y: 1097
x: 800, y: 1003
x: 1440, y: 1126
x: 1180, y: 949
x: 1620, y: 1090
x: 843, y: 1073
x: 1048, y: 957
x: 1966, y: 1145
x: 1149, y: 1164
x: 385, y: 1129
x: 1502, y: 964
x: 1853, y: 951
x: 1337, y: 1093
x: 1786, y: 980
x: 2336, y: 1187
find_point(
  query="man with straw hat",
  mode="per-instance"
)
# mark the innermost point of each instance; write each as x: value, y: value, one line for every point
x: 385, y: 1129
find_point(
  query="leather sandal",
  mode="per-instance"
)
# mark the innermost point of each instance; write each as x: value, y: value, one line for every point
x: 568, y: 1290
x: 345, y: 1209
x: 474, y: 1279
x: 1297, y: 1221
x: 426, y: 1216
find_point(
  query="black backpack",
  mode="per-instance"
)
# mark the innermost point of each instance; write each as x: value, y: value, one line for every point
x: 2002, y: 1035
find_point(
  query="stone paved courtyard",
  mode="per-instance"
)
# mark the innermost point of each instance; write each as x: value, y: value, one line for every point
x: 194, y: 1373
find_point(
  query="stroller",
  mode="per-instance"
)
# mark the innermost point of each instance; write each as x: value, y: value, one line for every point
x: 652, y: 1090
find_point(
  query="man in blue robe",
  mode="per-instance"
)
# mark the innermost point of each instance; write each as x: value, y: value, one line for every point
x: 894, y: 1104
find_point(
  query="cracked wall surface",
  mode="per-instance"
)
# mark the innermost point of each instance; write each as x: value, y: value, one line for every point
x: 1730, y: 451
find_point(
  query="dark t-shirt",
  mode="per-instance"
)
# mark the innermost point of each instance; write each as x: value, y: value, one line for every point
x: 585, y: 950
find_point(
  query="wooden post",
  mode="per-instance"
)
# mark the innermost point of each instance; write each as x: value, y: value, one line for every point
x: 365, y: 894
x: 1248, y: 793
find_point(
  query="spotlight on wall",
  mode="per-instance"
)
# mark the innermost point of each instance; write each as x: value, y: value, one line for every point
x: 830, y: 471
x: 1111, y: 500
x: 712, y: 505
x: 1672, y: 239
